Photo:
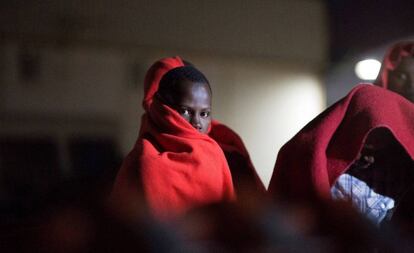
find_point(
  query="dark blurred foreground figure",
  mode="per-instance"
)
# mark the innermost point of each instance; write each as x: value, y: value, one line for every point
x: 259, y: 225
x: 397, y: 70
x: 178, y: 161
x: 252, y: 224
x: 80, y: 227
x: 359, y: 150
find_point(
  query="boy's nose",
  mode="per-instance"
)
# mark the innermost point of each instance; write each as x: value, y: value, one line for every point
x: 196, y: 123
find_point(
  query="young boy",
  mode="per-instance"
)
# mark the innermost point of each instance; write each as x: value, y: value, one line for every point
x: 186, y: 90
x: 175, y: 165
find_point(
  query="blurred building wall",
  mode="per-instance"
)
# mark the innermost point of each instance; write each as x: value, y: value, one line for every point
x: 80, y: 64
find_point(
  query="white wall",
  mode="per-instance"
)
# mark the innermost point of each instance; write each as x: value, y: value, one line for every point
x: 266, y: 103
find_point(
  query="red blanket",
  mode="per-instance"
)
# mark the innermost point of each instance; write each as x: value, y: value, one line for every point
x: 308, y: 165
x: 392, y: 59
x: 174, y: 166
x: 242, y: 170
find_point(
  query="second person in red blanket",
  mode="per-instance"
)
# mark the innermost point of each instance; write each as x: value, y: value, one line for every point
x: 361, y: 150
x: 181, y: 158
x: 397, y: 70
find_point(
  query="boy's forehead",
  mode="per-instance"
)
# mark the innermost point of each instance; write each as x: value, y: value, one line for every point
x: 192, y: 93
x: 187, y: 87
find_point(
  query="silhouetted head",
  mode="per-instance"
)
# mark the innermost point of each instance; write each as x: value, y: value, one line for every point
x: 397, y: 70
x: 187, y: 90
x: 401, y: 79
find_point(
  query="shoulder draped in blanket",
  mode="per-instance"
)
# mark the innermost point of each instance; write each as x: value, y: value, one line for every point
x: 172, y: 166
x: 308, y: 165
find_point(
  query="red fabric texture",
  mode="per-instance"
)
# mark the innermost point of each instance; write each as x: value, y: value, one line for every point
x: 243, y: 172
x: 172, y: 166
x: 308, y: 165
x: 392, y: 59
x: 154, y: 75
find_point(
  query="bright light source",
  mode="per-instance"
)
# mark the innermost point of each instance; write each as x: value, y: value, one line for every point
x: 367, y: 69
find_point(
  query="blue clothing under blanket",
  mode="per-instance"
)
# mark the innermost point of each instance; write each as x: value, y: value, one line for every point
x: 371, y: 204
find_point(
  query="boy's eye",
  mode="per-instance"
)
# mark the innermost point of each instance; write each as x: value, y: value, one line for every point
x: 204, y: 114
x: 184, y: 111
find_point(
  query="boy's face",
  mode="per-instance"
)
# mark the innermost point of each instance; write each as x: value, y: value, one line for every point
x: 401, y: 79
x: 193, y: 103
x: 377, y: 147
x: 383, y: 164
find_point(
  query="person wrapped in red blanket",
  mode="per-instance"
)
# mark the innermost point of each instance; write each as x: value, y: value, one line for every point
x: 397, y: 70
x: 175, y: 164
x: 369, y: 136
